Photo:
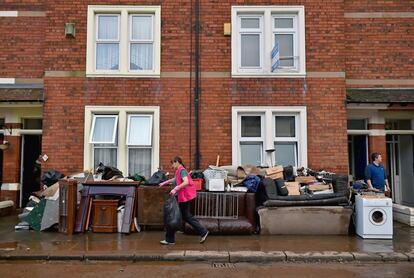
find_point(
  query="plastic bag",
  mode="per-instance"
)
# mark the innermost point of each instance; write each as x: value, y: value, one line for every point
x: 172, y: 214
x: 157, y: 178
x: 252, y: 183
x: 51, y: 177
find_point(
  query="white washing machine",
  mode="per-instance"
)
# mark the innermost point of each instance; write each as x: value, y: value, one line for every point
x: 373, y: 216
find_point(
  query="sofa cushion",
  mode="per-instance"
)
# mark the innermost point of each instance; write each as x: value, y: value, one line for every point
x: 240, y: 226
x: 210, y: 224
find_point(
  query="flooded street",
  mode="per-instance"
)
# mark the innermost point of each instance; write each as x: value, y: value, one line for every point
x: 174, y: 269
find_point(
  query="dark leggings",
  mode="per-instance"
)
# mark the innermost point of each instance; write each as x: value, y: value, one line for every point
x: 190, y: 219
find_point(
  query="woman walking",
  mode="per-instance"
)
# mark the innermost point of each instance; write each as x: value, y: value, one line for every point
x: 186, y: 190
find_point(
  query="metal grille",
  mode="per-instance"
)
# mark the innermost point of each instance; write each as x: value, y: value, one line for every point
x: 217, y: 205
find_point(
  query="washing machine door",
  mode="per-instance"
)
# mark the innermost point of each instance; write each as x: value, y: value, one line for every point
x: 377, y: 216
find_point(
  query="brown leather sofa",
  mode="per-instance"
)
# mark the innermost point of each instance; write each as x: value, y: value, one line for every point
x: 245, y: 223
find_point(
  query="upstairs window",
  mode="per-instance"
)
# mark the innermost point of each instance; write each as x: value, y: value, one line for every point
x: 268, y: 41
x: 123, y: 41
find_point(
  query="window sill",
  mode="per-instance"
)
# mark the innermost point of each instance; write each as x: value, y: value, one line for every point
x: 126, y: 75
x: 267, y: 75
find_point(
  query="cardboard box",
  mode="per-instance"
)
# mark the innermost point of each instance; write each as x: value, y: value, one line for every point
x: 319, y: 187
x: 274, y: 170
x: 275, y: 176
x: 305, y: 179
x: 292, y: 187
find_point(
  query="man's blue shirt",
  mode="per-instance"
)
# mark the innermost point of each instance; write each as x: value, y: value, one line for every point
x: 377, y: 175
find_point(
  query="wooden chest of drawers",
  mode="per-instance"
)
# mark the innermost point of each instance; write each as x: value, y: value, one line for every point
x: 104, y: 216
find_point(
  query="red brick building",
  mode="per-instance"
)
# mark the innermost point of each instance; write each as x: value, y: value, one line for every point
x: 120, y: 83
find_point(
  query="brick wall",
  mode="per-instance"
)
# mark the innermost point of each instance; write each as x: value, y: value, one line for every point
x: 333, y: 44
x: 379, y: 48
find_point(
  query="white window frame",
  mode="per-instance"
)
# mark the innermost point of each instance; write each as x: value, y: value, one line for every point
x: 251, y: 31
x: 93, y: 129
x: 125, y: 13
x: 269, y: 113
x: 122, y: 154
x: 109, y: 41
x: 260, y: 139
x: 287, y: 31
x: 129, y: 128
x: 132, y: 41
x: 294, y: 139
x: 269, y: 13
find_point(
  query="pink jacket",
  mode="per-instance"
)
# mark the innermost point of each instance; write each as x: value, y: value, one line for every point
x: 187, y: 193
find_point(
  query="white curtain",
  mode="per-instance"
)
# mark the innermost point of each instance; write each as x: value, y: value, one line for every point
x: 107, y: 54
x: 107, y: 27
x: 141, y: 56
x: 140, y: 162
x: 141, y: 28
x: 142, y: 46
x: 104, y: 129
x: 105, y: 155
x: 140, y: 130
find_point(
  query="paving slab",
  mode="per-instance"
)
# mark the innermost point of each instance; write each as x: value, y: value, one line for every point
x: 393, y: 256
x: 331, y: 256
x: 215, y: 256
x: 174, y: 256
x: 256, y: 256
x: 410, y: 256
x: 366, y: 256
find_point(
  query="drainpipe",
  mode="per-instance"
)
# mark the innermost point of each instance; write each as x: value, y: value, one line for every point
x: 197, y: 88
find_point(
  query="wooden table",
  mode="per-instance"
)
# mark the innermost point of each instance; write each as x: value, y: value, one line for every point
x: 90, y: 189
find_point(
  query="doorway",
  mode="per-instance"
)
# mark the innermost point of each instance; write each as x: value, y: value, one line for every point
x: 400, y: 155
x: 357, y: 154
x: 32, y: 148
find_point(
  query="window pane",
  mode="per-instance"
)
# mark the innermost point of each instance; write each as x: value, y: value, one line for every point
x: 140, y: 162
x: 250, y: 50
x: 398, y: 124
x: 107, y: 27
x: 283, y: 22
x: 285, y: 153
x: 285, y: 126
x: 140, y: 130
x: 105, y: 155
x: 32, y: 124
x: 251, y: 126
x: 104, y: 129
x: 356, y: 124
x: 285, y: 49
x: 250, y: 23
x: 107, y: 56
x: 142, y: 28
x: 251, y: 153
x: 141, y: 56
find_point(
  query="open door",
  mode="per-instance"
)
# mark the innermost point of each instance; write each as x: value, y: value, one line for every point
x: 407, y: 169
x: 30, y: 174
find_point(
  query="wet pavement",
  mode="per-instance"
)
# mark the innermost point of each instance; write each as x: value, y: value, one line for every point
x: 43, y: 244
x: 203, y: 269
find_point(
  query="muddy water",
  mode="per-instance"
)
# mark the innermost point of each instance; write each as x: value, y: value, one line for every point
x: 170, y: 269
x: 56, y: 243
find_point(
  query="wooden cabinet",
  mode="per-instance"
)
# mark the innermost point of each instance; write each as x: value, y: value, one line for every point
x: 104, y: 216
x: 67, y: 205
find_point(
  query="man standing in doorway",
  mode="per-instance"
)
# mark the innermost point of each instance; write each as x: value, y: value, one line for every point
x: 375, y: 175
